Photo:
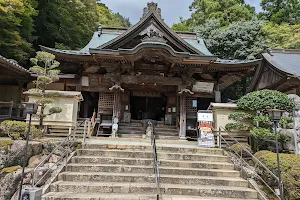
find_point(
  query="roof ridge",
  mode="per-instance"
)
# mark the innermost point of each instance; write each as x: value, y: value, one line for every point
x: 14, y: 63
x: 285, y: 50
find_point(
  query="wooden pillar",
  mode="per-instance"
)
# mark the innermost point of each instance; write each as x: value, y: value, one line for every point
x: 182, y: 132
x: 117, y: 103
x: 86, y: 106
x: 218, y: 98
x: 78, y: 89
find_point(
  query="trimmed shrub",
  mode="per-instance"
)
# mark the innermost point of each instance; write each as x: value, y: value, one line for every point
x: 17, y: 130
x: 266, y: 99
x: 290, y: 167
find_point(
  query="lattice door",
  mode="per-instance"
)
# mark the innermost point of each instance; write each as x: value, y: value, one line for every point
x: 106, y: 101
x: 189, y: 105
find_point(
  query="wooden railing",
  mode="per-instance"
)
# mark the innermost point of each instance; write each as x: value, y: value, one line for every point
x: 9, y: 110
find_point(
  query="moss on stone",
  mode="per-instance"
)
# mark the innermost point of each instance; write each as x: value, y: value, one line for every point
x: 11, y: 169
x: 6, y: 144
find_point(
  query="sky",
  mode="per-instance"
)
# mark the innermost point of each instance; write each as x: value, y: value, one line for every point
x: 170, y: 11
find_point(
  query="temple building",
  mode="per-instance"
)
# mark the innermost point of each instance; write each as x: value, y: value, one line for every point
x: 13, y: 81
x: 280, y: 70
x: 147, y: 72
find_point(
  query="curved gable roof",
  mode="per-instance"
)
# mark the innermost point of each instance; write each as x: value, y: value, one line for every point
x: 143, y: 24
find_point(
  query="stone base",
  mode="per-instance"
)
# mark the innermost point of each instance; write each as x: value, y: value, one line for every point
x: 182, y: 138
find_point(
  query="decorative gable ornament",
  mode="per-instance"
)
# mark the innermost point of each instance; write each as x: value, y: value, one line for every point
x: 152, y: 7
x: 153, y: 34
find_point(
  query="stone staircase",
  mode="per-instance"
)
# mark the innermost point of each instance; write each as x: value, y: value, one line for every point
x: 125, y: 172
x: 135, y: 130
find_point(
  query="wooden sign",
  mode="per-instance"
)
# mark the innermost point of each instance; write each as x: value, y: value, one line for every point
x: 146, y: 94
x: 93, y: 80
x: 203, y: 87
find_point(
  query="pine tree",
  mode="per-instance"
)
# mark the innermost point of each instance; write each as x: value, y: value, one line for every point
x: 45, y: 66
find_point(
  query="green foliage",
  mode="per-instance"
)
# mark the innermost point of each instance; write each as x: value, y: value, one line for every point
x: 240, y: 40
x: 263, y: 120
x: 241, y: 116
x: 265, y: 99
x: 283, y: 11
x: 16, y: 19
x: 68, y: 23
x: 226, y: 11
x: 282, y: 36
x: 17, y: 130
x: 254, y: 117
x: 182, y: 26
x: 237, y: 148
x: 243, y: 121
x: 285, y: 121
x: 108, y: 19
x: 290, y: 166
x: 11, y: 169
x: 45, y: 67
x: 55, y: 110
x: 237, y: 126
x: 262, y: 133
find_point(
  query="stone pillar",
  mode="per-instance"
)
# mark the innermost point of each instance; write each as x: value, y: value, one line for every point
x: 296, y: 116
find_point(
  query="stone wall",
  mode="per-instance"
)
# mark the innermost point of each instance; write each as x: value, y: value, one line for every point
x: 295, y: 133
x: 11, y: 160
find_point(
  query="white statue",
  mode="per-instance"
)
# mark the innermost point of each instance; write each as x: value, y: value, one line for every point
x: 149, y: 130
x: 115, y: 127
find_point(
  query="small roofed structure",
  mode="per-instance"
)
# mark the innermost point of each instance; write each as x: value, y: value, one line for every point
x: 279, y: 70
x: 67, y: 100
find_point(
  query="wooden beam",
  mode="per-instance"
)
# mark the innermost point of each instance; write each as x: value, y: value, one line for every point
x: 172, y: 67
x: 132, y: 79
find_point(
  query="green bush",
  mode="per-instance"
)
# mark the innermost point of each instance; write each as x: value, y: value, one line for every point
x: 266, y: 134
x: 236, y: 148
x: 290, y: 167
x: 17, y: 130
x: 265, y: 139
x: 265, y: 99
x: 285, y: 121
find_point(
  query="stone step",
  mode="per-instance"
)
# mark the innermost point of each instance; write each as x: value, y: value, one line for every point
x: 140, y: 128
x: 167, y: 189
x: 147, y: 154
x: 160, y: 147
x: 131, y: 132
x: 149, y: 161
x: 137, y: 134
x: 101, y: 196
x: 150, y: 178
x: 140, y: 131
x: 149, y: 170
x: 60, y: 135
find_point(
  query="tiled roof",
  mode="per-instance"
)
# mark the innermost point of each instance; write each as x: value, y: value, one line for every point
x: 287, y: 61
x: 14, y: 64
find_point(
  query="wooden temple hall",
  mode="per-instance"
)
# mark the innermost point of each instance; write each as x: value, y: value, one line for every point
x: 148, y: 72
